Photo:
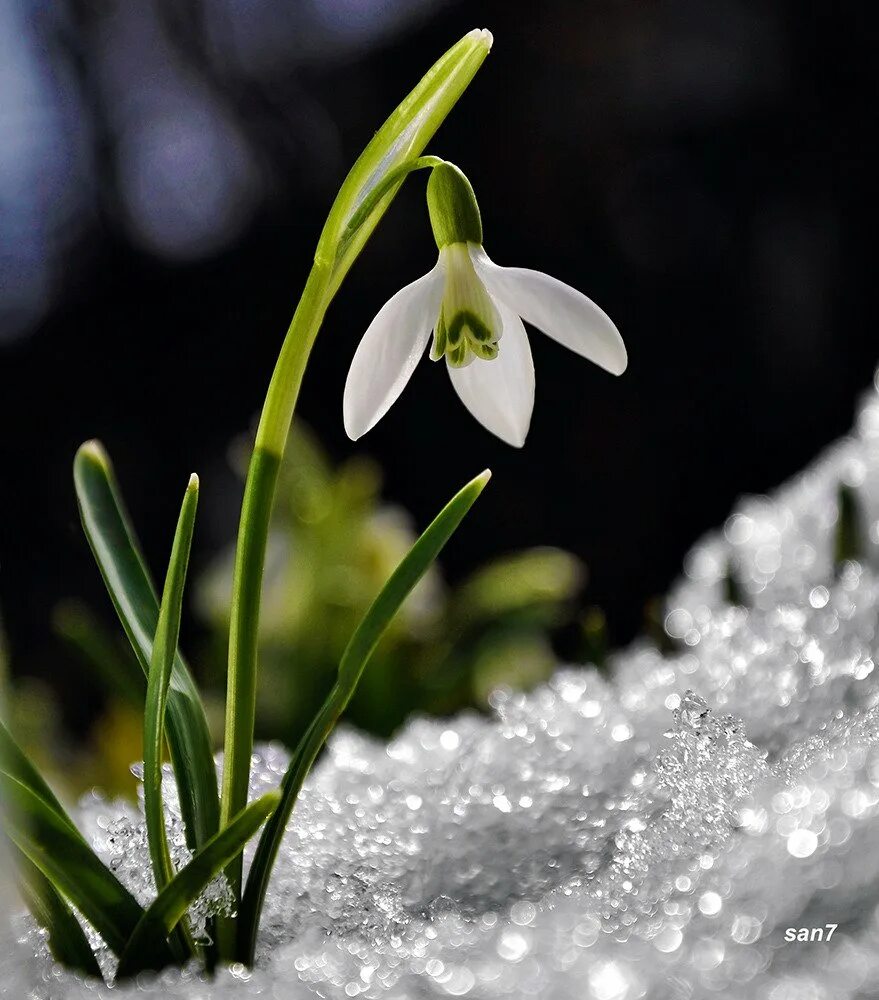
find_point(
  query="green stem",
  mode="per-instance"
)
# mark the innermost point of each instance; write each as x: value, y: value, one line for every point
x: 333, y: 260
x: 259, y: 492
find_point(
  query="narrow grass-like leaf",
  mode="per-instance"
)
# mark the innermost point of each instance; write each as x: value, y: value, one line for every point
x: 361, y: 646
x: 67, y: 940
x: 70, y: 865
x: 146, y: 948
x: 416, y: 563
x: 133, y: 594
x: 164, y: 649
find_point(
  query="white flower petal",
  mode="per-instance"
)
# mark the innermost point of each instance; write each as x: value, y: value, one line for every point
x: 389, y: 351
x: 560, y: 311
x: 500, y: 392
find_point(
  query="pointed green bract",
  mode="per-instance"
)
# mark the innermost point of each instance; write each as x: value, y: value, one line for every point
x: 146, y: 947
x: 65, y: 859
x: 67, y: 940
x: 366, y: 637
x: 131, y: 589
x: 402, y: 137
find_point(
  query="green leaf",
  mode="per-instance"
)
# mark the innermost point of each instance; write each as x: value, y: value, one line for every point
x: 146, y: 948
x: 67, y: 941
x: 848, y: 541
x: 360, y: 648
x: 416, y: 563
x: 402, y: 138
x: 108, y: 661
x: 15, y: 763
x: 131, y: 589
x: 65, y: 859
x: 164, y: 650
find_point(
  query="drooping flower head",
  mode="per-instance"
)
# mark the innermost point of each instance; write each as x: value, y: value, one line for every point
x: 474, y: 308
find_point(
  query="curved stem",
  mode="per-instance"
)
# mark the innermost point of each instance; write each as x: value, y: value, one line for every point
x: 256, y: 511
x: 259, y: 493
x: 329, y: 270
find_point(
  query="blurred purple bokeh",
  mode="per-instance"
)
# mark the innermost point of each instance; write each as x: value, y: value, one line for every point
x: 146, y: 117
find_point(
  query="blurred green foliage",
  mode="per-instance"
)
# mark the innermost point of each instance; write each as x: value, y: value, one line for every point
x: 103, y: 758
x: 333, y: 544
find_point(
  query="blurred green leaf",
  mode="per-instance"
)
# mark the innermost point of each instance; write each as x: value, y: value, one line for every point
x: 78, y: 626
x: 519, y: 660
x: 133, y: 594
x: 61, y: 854
x: 849, y: 535
x: 16, y: 764
x: 595, y: 644
x: 535, y: 578
x: 67, y: 941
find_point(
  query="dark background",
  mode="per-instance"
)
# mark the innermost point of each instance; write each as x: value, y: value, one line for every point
x: 696, y: 167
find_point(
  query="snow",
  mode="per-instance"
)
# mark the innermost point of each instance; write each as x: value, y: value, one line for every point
x: 648, y: 831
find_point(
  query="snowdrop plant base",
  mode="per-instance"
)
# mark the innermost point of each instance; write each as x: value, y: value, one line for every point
x: 655, y: 831
x: 60, y: 875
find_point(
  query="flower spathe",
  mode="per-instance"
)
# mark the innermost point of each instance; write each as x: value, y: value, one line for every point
x: 475, y: 309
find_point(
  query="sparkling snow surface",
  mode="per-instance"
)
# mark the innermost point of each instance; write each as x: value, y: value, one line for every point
x: 650, y: 832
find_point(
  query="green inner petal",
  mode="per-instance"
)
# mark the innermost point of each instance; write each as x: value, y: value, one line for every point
x: 440, y: 340
x: 458, y: 356
x: 469, y: 324
x: 488, y: 352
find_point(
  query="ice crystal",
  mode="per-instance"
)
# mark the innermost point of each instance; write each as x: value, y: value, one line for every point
x: 610, y: 836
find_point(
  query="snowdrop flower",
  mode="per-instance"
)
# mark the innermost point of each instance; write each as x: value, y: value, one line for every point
x: 474, y: 308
